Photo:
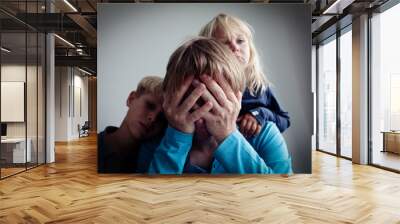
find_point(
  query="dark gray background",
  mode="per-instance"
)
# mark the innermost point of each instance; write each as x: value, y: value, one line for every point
x: 136, y: 40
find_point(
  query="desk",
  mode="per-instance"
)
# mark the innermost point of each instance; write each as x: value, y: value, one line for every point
x: 15, y: 148
x: 391, y: 141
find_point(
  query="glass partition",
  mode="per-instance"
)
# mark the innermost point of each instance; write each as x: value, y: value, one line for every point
x: 41, y: 91
x: 22, y: 88
x: 31, y: 100
x: 13, y: 95
x: 327, y: 95
x: 346, y: 93
x: 385, y: 89
x: 32, y: 83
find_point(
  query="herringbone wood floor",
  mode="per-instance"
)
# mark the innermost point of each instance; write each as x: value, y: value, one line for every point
x: 71, y: 191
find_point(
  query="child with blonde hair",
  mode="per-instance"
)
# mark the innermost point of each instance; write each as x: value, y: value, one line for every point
x: 259, y: 104
x: 118, y: 147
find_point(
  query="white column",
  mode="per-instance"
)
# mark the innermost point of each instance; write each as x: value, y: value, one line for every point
x: 50, y: 92
x: 360, y: 90
x: 50, y: 99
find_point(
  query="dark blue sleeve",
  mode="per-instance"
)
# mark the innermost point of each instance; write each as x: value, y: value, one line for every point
x: 111, y: 160
x: 264, y: 115
x: 268, y: 109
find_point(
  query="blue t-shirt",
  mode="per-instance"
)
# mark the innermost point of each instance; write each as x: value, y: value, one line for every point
x: 264, y: 153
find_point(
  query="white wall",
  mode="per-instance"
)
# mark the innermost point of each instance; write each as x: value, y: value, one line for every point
x: 135, y: 40
x: 79, y: 117
x: 67, y: 116
x: 15, y: 72
x: 61, y: 103
x: 12, y: 73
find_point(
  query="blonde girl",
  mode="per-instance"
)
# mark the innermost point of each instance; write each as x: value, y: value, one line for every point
x: 259, y: 105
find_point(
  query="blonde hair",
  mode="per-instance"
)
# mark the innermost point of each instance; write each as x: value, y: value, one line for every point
x: 150, y: 85
x: 199, y: 56
x: 256, y: 80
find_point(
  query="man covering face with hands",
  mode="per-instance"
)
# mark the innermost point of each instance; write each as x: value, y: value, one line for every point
x: 202, y: 98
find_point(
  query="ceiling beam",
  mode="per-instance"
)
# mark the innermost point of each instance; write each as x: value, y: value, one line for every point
x: 83, y: 61
x: 86, y: 26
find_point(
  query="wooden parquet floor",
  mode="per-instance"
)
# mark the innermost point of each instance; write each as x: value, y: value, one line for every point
x: 71, y: 191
